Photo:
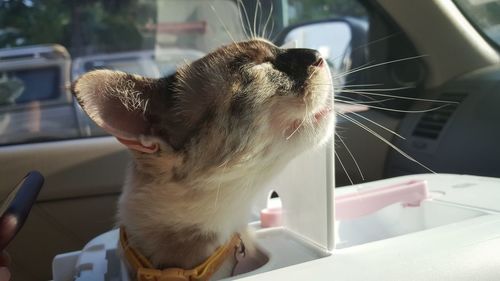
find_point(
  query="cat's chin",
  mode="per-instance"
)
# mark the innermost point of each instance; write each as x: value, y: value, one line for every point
x: 325, y: 127
x: 315, y: 133
x: 317, y: 121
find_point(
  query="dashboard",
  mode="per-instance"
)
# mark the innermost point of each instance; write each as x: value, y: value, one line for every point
x: 462, y: 137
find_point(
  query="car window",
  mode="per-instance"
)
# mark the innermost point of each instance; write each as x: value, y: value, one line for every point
x: 45, y: 45
x: 485, y: 15
x: 25, y: 85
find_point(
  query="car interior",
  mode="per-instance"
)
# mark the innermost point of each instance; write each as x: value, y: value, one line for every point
x: 425, y: 72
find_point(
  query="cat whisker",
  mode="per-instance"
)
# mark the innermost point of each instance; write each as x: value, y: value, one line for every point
x: 361, y: 92
x: 296, y: 129
x: 264, y: 29
x: 360, y: 85
x: 341, y: 98
x: 372, y: 99
x: 255, y: 31
x: 377, y: 65
x: 273, y: 39
x: 352, y: 156
x: 315, y: 70
x: 365, y: 96
x: 378, y: 125
x: 300, y: 125
x: 369, y: 130
x: 223, y: 25
x: 380, y: 89
x: 399, y: 110
x: 240, y: 16
x: 217, y: 197
x: 359, y: 68
x: 343, y: 167
x: 368, y: 44
x: 219, y: 186
x: 240, y: 2
x: 365, y: 93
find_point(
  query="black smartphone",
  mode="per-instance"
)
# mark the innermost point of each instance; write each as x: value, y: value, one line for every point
x: 16, y: 207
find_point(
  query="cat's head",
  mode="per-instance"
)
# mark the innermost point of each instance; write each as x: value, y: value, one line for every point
x: 240, y: 107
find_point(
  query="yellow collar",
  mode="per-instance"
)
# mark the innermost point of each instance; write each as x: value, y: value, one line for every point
x: 145, y: 271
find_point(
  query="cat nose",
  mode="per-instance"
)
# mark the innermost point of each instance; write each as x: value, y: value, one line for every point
x: 293, y: 60
x: 296, y: 63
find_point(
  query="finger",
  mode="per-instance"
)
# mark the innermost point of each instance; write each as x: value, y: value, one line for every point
x: 4, y: 259
x: 8, y: 225
x: 4, y: 274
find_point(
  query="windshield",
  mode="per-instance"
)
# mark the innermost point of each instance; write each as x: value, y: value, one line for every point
x: 485, y: 15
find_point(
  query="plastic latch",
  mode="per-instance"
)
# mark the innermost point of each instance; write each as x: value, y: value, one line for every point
x: 271, y: 217
x: 365, y: 202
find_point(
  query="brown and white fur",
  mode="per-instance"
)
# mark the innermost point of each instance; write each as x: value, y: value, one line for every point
x: 225, y: 124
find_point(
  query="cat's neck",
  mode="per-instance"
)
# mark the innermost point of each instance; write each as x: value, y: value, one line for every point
x: 178, y: 225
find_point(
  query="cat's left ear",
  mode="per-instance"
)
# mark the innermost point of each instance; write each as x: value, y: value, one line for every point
x: 118, y: 103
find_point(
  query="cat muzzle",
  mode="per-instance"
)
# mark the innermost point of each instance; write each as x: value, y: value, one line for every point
x: 298, y: 63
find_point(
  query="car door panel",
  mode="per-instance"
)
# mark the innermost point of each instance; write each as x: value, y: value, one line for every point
x: 83, y: 179
x: 72, y: 168
x: 55, y: 227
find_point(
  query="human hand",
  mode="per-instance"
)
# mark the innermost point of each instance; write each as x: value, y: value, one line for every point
x: 8, y: 226
x: 4, y: 269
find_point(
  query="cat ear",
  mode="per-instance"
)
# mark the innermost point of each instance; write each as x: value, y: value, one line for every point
x: 118, y: 103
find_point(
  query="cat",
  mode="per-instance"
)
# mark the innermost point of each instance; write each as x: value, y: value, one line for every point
x: 206, y: 139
